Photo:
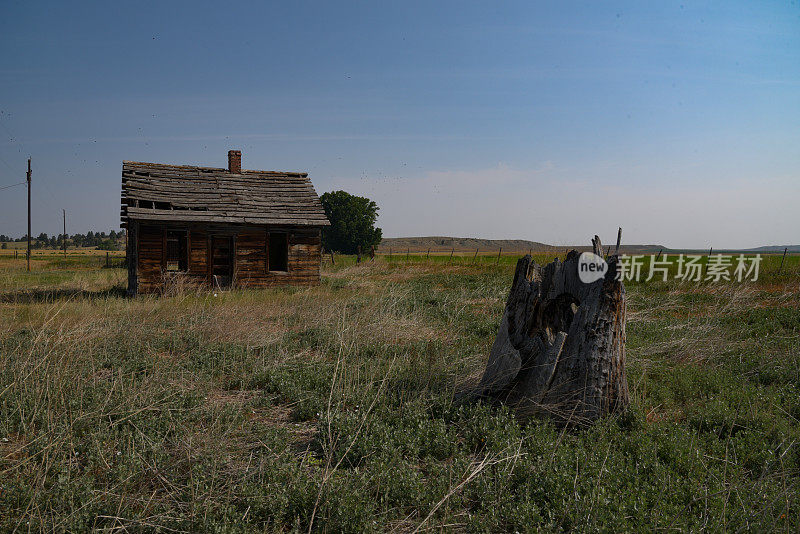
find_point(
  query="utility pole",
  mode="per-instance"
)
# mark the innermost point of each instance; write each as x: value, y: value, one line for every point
x: 64, y: 236
x: 29, y: 214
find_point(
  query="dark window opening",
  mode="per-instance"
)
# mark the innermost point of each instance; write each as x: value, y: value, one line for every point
x: 161, y: 205
x: 278, y: 251
x: 146, y: 204
x: 177, y: 251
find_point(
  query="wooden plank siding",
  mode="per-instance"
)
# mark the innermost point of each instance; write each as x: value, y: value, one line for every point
x: 131, y: 254
x: 150, y: 246
x: 250, y: 256
x: 224, y: 213
x: 198, y: 253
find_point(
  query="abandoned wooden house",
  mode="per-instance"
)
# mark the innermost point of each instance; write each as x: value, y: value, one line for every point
x: 222, y: 228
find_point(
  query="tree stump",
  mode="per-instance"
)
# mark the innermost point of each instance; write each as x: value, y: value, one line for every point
x: 560, y: 349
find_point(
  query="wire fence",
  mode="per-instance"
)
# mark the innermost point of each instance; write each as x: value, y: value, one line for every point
x: 73, y: 258
x: 770, y: 262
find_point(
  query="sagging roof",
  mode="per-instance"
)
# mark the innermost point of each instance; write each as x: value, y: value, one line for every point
x: 182, y: 193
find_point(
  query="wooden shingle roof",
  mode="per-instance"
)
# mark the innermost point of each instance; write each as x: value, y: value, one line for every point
x: 158, y: 192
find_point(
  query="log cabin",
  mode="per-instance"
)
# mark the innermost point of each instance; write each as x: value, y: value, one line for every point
x: 219, y: 228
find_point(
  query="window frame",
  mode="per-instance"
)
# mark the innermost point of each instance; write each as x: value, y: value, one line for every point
x: 183, y: 252
x: 271, y: 233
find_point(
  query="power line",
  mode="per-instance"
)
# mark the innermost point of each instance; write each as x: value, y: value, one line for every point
x: 44, y: 183
x: 13, y: 139
x: 7, y: 165
x: 12, y: 185
x: 7, y: 130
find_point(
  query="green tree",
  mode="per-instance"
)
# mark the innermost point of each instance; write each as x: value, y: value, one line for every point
x: 352, y: 223
x: 108, y: 244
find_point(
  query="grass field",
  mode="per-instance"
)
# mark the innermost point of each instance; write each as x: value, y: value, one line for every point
x: 330, y: 408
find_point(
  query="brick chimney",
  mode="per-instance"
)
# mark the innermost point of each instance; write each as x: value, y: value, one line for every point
x: 235, y: 161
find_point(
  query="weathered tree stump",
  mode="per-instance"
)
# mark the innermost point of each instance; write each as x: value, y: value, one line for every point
x: 560, y: 349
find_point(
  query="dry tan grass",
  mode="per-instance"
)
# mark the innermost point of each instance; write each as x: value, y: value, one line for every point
x: 147, y: 389
x: 694, y: 335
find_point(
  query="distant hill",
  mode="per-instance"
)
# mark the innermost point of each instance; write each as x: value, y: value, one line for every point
x: 463, y: 244
x: 775, y: 248
x: 771, y: 249
x: 417, y: 244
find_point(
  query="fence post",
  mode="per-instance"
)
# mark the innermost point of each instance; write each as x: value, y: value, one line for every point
x: 428, y: 255
x: 451, y: 253
x: 498, y: 255
x: 408, y: 251
x: 333, y: 261
x: 358, y: 258
x: 372, y: 253
x: 782, y: 258
x: 107, y: 260
x: 475, y: 256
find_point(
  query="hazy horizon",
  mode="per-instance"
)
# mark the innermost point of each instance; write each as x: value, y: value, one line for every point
x: 518, y: 120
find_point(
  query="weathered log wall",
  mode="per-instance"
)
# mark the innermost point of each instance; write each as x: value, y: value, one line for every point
x: 250, y: 256
x: 149, y: 265
x: 198, y: 253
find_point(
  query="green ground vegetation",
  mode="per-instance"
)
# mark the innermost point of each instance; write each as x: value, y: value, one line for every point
x: 331, y: 408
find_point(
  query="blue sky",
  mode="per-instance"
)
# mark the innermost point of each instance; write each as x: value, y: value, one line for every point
x: 551, y: 121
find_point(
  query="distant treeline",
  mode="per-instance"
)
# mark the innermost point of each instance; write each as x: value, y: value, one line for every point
x: 100, y: 240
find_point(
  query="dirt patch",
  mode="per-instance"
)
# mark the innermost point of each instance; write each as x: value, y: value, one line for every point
x: 12, y: 448
x: 656, y: 415
x: 278, y: 415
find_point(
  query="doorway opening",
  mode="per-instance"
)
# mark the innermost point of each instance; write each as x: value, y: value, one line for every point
x: 278, y: 251
x: 222, y: 261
